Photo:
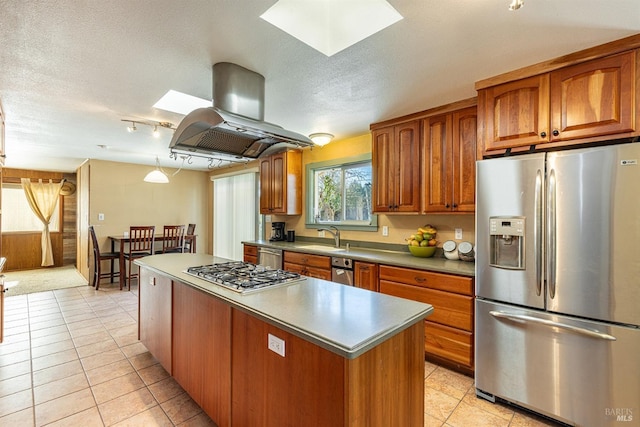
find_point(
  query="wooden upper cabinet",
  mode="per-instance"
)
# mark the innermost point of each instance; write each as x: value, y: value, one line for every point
x: 281, y: 184
x: 449, y: 161
x: 396, y: 168
x: 593, y: 98
x: 515, y: 114
x: 584, y: 101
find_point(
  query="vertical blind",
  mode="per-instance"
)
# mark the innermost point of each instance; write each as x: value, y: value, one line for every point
x: 234, y: 214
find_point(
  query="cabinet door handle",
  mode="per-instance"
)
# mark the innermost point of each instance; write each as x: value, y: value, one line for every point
x: 364, y: 268
x: 446, y: 205
x: 455, y: 205
x: 543, y: 134
x: 556, y: 132
x: 420, y: 279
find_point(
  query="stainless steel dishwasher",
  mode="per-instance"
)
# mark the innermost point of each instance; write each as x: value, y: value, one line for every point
x: 342, y: 270
x: 270, y: 258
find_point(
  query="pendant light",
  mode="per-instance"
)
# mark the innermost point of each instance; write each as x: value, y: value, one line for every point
x: 157, y: 176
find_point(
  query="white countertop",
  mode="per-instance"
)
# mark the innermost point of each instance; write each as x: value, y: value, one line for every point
x: 343, y: 319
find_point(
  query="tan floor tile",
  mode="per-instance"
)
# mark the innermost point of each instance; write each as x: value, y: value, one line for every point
x: 109, y: 372
x: 16, y: 357
x: 50, y: 360
x: 181, y: 408
x: 103, y: 359
x: 61, y: 387
x: 54, y: 323
x: 96, y: 348
x: 122, y: 321
x: 37, y: 333
x: 14, y: 338
x: 15, y: 402
x: 15, y: 370
x: 20, y: 418
x: 126, y: 335
x: 429, y: 368
x: 494, y: 408
x: 13, y: 347
x: 57, y: 347
x: 16, y: 330
x: 50, y: 339
x: 438, y: 404
x: 117, y: 387
x: 99, y: 336
x: 134, y: 349
x: 430, y: 421
x: 449, y: 382
x: 65, y: 406
x: 468, y: 416
x: 143, y: 360
x: 151, y: 417
x: 15, y: 384
x: 153, y: 374
x: 83, y: 328
x: 56, y: 372
x: 166, y: 389
x: 126, y: 406
x: 200, y: 420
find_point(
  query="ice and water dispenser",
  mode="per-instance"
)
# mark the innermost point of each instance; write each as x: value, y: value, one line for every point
x: 506, y: 247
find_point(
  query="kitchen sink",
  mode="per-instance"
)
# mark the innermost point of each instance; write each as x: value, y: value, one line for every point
x: 323, y: 248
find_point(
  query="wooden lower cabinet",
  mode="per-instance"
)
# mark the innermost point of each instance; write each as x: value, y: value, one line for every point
x: 317, y: 266
x: 311, y: 386
x: 154, y: 326
x: 365, y: 275
x: 449, y: 330
x: 250, y: 254
x: 202, y: 350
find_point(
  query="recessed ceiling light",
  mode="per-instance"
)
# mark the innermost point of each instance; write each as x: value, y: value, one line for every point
x: 181, y: 103
x: 330, y: 26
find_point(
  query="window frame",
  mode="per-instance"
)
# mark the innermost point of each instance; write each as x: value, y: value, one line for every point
x: 310, y: 169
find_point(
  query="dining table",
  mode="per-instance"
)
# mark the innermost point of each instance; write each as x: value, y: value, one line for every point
x: 121, y: 240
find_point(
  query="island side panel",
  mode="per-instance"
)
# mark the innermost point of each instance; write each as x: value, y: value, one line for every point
x: 154, y: 311
x: 303, y: 388
x: 386, y: 384
x: 202, y: 350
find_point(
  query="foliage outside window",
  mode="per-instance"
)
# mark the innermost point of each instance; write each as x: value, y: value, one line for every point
x: 340, y: 193
x: 17, y: 215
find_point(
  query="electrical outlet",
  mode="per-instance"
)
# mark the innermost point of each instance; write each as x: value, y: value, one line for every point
x: 100, y: 217
x: 458, y: 233
x: 276, y: 345
x: 385, y: 230
x: 321, y: 233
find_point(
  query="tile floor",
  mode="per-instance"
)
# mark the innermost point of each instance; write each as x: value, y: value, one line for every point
x: 71, y: 357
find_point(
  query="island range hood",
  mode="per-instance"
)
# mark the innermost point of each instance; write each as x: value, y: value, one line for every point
x: 234, y: 127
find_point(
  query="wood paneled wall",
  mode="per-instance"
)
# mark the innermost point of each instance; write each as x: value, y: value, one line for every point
x: 23, y: 250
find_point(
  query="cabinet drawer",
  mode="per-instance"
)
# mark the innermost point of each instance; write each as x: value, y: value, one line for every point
x: 309, y: 260
x: 451, y: 344
x: 449, y: 309
x: 250, y: 250
x: 427, y: 279
x: 317, y: 273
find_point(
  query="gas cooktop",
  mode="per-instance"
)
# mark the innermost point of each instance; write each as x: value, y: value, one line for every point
x: 243, y: 277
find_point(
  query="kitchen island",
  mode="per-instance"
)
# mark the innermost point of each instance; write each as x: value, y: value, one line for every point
x: 312, y: 352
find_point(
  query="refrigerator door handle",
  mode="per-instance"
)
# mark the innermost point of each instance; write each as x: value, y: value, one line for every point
x: 576, y: 329
x: 551, y: 234
x: 537, y: 232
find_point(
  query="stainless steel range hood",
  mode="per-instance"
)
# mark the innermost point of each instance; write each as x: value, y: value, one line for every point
x: 234, y: 127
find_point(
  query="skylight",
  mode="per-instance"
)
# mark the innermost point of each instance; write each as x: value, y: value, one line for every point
x: 330, y: 26
x: 181, y: 103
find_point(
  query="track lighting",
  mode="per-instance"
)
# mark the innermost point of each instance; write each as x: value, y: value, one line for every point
x: 132, y: 128
x: 155, y: 125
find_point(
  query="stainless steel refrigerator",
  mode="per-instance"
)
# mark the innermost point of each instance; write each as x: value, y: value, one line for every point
x: 558, y: 283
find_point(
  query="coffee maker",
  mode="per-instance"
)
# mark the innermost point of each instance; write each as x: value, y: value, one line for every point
x: 277, y: 232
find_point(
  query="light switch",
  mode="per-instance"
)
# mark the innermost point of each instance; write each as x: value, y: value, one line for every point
x: 458, y: 233
x: 385, y: 230
x: 100, y: 217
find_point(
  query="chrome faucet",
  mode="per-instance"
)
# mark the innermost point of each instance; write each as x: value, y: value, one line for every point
x: 334, y: 232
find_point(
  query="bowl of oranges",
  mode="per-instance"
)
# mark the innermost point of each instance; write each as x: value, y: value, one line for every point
x: 423, y: 242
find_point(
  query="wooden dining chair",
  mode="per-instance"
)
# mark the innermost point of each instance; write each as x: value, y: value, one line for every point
x: 189, y: 245
x: 141, y: 240
x: 173, y: 239
x: 98, y: 257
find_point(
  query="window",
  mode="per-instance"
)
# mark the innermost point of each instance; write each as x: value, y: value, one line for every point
x: 340, y: 194
x: 17, y: 214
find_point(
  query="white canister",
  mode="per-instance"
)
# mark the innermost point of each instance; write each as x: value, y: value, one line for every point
x: 450, y: 249
x: 465, y: 251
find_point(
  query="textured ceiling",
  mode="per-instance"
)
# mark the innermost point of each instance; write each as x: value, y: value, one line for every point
x: 70, y: 70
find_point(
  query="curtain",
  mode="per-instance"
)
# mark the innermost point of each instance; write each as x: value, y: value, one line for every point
x: 42, y: 198
x: 234, y: 214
